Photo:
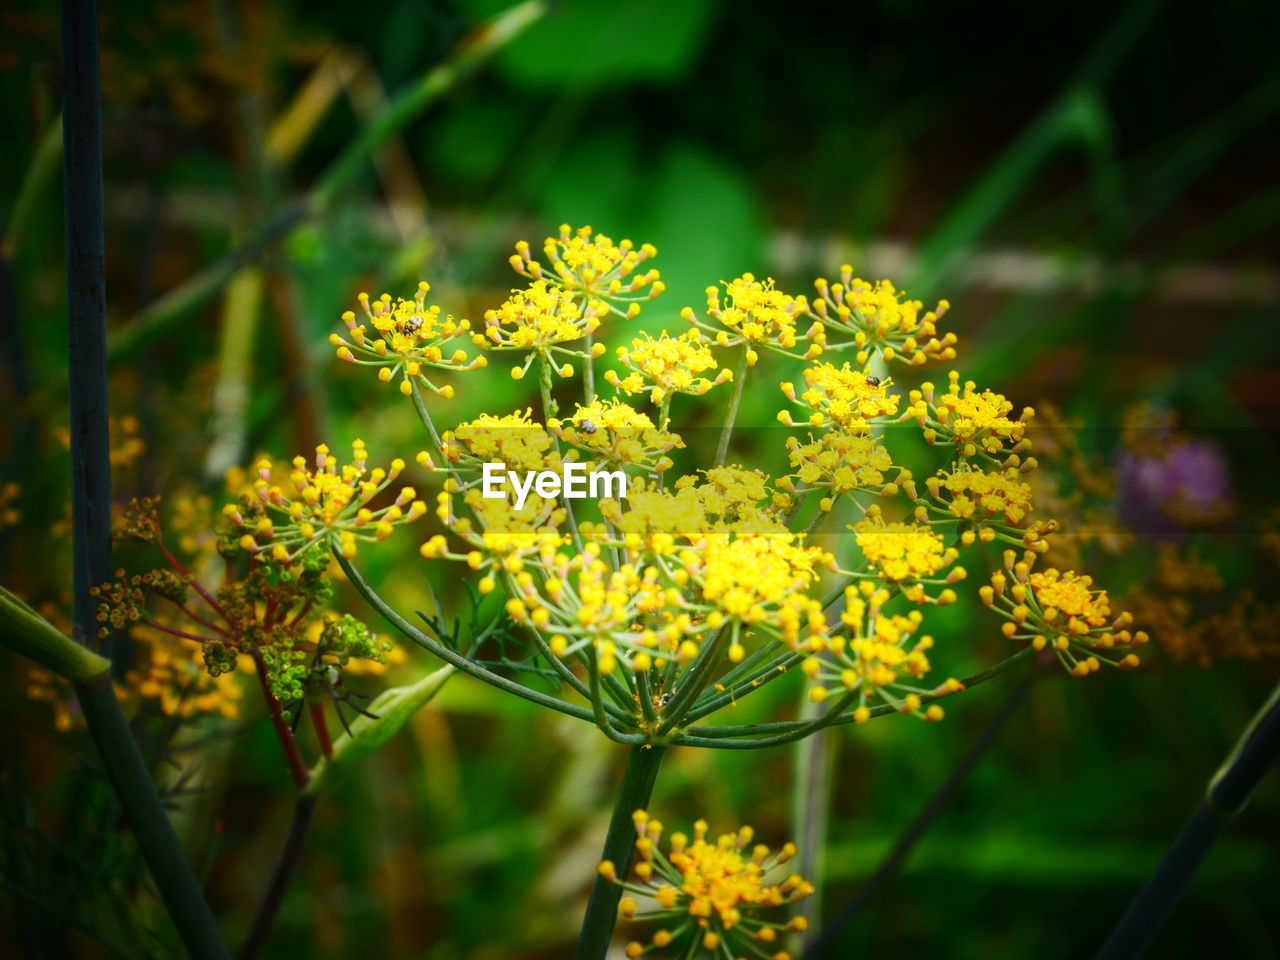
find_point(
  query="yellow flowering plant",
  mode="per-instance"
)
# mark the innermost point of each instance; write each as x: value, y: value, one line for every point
x: 659, y: 605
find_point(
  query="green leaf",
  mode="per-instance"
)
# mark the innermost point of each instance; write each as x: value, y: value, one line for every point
x: 26, y: 632
x: 391, y: 711
x: 584, y: 44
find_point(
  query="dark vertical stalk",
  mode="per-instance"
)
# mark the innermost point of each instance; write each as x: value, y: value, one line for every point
x: 148, y: 820
x: 270, y: 905
x: 1225, y: 797
x: 91, y: 481
x: 633, y: 794
x: 86, y: 309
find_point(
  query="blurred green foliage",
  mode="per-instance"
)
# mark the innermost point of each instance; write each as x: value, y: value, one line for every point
x: 1092, y: 187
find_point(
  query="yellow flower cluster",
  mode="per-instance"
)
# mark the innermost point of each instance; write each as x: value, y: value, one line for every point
x: 667, y: 365
x: 646, y: 604
x: 738, y: 496
x: 540, y: 319
x: 876, y: 318
x: 976, y: 423
x: 1062, y: 612
x: 842, y: 463
x: 713, y: 893
x: 513, y: 439
x: 840, y: 396
x: 904, y: 553
x: 754, y: 313
x: 408, y: 338
x: 329, y: 503
x: 875, y: 657
x: 618, y: 434
x: 593, y: 268
x: 987, y: 505
x: 759, y: 577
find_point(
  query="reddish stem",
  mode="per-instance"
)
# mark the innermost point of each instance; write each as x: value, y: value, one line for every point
x: 201, y: 620
x: 195, y: 584
x: 306, y: 608
x: 321, y: 727
x: 297, y: 768
x: 175, y: 632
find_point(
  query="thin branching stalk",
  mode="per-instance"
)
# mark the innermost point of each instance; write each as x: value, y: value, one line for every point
x: 466, y: 665
x: 1228, y: 792
x: 825, y: 944
x: 633, y: 794
x: 752, y: 736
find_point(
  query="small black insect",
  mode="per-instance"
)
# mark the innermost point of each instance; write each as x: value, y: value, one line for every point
x: 873, y: 381
x: 586, y: 426
x: 412, y: 325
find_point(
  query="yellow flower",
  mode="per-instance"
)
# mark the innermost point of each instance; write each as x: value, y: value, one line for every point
x: 975, y: 423
x: 876, y: 318
x: 408, y: 336
x: 540, y: 319
x: 842, y: 396
x: 754, y: 313
x: 667, y: 365
x: 762, y: 579
x: 980, y: 496
x: 842, y: 462
x: 328, y: 503
x: 715, y: 892
x: 1062, y: 612
x: 902, y: 551
x: 878, y: 660
x: 593, y: 268
x: 617, y: 433
x: 514, y: 439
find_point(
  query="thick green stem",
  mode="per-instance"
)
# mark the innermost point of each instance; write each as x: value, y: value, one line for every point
x: 739, y: 378
x: 148, y: 819
x: 619, y: 844
x: 91, y: 481
x: 1254, y: 754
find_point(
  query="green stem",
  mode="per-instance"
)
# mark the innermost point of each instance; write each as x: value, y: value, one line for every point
x: 91, y: 480
x: 739, y: 377
x: 549, y: 405
x: 420, y: 405
x: 633, y: 794
x: 1254, y: 754
x: 452, y: 656
x: 589, y: 374
x: 149, y: 820
x: 696, y: 678
x: 726, y: 738
x: 814, y: 763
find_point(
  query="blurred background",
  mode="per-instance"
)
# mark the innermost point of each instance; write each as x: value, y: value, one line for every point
x: 1092, y: 187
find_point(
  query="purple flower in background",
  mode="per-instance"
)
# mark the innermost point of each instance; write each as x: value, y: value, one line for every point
x: 1164, y: 493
